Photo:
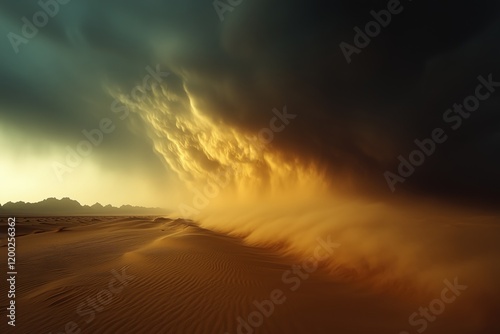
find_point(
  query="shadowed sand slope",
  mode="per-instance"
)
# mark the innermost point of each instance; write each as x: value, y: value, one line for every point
x: 146, y: 275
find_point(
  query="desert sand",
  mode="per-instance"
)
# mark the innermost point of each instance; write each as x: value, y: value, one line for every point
x: 160, y: 275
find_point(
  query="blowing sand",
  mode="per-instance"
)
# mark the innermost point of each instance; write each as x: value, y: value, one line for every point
x: 147, y: 275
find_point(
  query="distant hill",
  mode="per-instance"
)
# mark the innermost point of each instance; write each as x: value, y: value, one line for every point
x: 67, y: 206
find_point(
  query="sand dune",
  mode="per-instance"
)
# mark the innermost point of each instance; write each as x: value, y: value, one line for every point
x: 147, y: 275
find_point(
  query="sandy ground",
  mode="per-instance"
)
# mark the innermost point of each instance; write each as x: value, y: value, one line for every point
x: 158, y: 275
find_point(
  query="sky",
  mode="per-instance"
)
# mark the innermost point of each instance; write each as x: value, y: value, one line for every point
x: 127, y: 102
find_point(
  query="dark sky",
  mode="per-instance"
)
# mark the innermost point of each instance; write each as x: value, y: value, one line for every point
x: 353, y: 118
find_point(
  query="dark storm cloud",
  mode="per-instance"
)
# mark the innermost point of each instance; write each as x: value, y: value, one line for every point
x: 354, y: 118
x: 367, y: 113
x: 360, y: 117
